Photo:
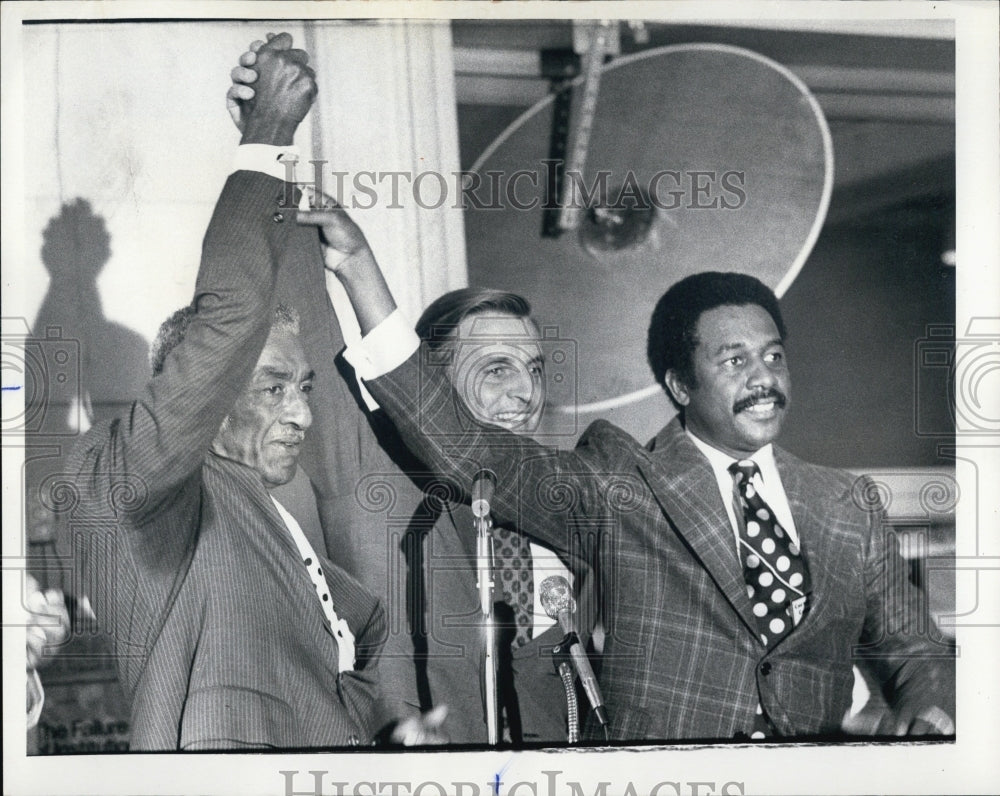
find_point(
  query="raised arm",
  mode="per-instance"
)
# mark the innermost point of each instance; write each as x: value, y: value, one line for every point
x: 539, y: 489
x: 162, y: 440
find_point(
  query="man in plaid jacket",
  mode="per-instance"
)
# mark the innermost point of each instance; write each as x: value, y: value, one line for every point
x: 685, y: 657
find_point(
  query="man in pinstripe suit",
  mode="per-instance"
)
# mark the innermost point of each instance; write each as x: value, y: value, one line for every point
x: 229, y: 631
x: 692, y: 651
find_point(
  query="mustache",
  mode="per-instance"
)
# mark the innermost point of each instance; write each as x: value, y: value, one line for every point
x: 762, y: 397
x: 296, y: 439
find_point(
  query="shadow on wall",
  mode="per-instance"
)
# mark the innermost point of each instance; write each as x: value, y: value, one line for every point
x: 113, y: 363
x: 80, y: 368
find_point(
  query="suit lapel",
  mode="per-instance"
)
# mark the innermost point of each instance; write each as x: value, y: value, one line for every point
x: 683, y: 484
x: 824, y: 552
x: 250, y: 485
x: 464, y: 522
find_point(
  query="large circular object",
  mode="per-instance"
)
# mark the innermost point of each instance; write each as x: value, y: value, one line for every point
x: 714, y: 158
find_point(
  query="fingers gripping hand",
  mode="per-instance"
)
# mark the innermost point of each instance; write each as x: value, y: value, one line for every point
x: 239, y: 98
x: 341, y: 237
x: 271, y: 84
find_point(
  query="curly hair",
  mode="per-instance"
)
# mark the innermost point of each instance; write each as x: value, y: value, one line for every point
x: 673, y: 326
x: 173, y: 330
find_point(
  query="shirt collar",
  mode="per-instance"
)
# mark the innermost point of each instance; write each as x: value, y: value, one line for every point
x: 720, y: 460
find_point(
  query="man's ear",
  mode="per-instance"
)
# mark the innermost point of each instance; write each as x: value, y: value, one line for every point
x: 677, y: 388
x: 218, y: 444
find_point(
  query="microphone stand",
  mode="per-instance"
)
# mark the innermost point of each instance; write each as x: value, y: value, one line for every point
x: 557, y: 600
x: 561, y: 661
x: 484, y: 570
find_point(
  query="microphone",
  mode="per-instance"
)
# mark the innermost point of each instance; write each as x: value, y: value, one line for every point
x: 557, y: 600
x: 483, y: 486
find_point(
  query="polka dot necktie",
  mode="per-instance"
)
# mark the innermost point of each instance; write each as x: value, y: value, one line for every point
x: 775, y: 572
x: 774, y: 569
x: 512, y: 557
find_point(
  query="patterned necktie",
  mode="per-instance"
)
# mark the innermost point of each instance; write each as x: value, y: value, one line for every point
x: 512, y: 557
x: 774, y: 569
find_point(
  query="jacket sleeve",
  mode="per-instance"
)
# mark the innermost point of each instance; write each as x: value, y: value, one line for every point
x: 340, y: 448
x: 550, y: 495
x: 135, y: 466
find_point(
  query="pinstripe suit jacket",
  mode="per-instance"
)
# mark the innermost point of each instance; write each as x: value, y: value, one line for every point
x: 220, y: 641
x: 682, y: 658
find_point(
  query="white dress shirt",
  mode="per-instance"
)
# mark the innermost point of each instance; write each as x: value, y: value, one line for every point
x: 341, y: 632
x: 767, y: 483
x: 265, y: 158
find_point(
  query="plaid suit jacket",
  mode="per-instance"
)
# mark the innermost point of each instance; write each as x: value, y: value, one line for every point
x: 218, y: 636
x: 682, y: 658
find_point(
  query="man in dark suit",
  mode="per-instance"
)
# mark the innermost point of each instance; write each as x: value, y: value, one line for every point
x: 228, y: 630
x: 741, y: 584
x: 494, y: 348
x: 394, y: 528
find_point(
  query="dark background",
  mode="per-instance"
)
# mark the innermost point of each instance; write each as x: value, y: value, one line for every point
x: 874, y: 286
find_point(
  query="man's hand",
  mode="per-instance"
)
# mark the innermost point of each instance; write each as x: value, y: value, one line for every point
x: 422, y: 731
x: 284, y: 90
x: 48, y: 622
x: 341, y: 237
x: 239, y: 98
x: 47, y: 626
x: 905, y: 720
x: 347, y: 254
x: 922, y: 699
x: 930, y: 720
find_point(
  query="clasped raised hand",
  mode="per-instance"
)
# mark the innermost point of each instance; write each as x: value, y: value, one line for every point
x: 284, y: 87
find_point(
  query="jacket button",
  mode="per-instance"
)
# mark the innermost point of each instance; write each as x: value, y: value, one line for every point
x: 765, y: 668
x: 354, y: 740
x: 279, y: 217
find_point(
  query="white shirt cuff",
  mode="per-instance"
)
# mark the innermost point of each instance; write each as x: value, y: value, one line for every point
x: 271, y: 160
x: 384, y: 348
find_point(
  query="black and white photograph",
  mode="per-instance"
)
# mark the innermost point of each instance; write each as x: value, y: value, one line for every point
x: 498, y: 398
